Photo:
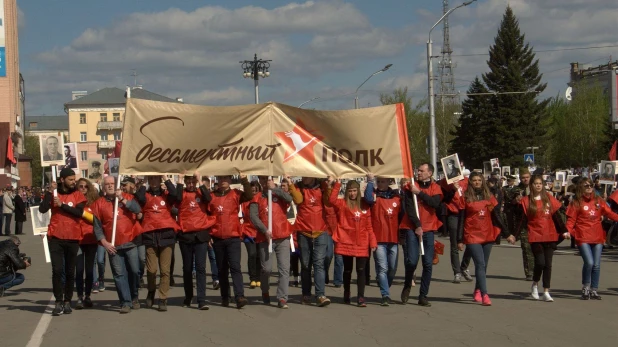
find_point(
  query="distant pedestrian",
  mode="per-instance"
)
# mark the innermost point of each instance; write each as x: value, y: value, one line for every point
x: 8, y: 208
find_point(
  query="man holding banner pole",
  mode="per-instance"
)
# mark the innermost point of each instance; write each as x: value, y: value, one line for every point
x: 429, y: 197
x: 123, y: 254
x: 63, y: 235
x: 226, y: 234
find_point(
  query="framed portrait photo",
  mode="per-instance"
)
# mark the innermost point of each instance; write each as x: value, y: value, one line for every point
x: 506, y: 171
x: 486, y: 169
x: 39, y: 221
x: 608, y: 172
x: 51, y: 146
x: 114, y: 167
x: 452, y: 168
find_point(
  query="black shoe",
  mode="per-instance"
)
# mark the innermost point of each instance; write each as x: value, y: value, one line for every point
x: 202, y: 306
x: 225, y: 302
x: 80, y: 304
x: 336, y: 286
x: 405, y: 295
x: 150, y: 299
x: 125, y: 309
x: 327, y: 279
x: 215, y: 285
x: 58, y: 310
x: 422, y: 301
x: 346, y: 298
x: 187, y: 302
x: 67, y: 308
x: 594, y: 295
x: 241, y: 302
x: 88, y: 302
x: 266, y: 298
x: 385, y: 301
x: 172, y: 282
x: 162, y: 305
x: 585, y: 294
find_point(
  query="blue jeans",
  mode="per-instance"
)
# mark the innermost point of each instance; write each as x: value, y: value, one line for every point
x: 9, y: 281
x: 312, y: 253
x: 328, y: 258
x: 125, y: 269
x: 414, y: 252
x: 338, y: 271
x: 101, y: 263
x: 141, y: 253
x: 213, y: 264
x: 591, y: 271
x: 480, y: 255
x: 386, y: 256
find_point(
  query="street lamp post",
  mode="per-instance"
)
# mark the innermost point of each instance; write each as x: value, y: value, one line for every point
x: 255, y: 69
x: 432, y: 114
x: 373, y: 74
x: 308, y: 101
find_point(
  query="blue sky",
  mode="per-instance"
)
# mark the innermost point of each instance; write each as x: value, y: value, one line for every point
x: 320, y: 49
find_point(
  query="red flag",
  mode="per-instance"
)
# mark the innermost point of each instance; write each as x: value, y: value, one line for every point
x: 9, y: 152
x: 612, y: 152
x: 117, y: 148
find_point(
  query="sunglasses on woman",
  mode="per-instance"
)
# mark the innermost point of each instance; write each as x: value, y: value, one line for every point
x: 83, y: 186
x: 587, y: 186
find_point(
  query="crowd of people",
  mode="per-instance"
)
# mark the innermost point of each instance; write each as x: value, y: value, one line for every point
x: 211, y: 221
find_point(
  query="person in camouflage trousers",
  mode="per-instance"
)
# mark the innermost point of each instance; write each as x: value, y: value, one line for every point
x: 515, y: 195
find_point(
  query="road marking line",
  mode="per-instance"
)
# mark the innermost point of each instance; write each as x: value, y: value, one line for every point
x: 37, y: 336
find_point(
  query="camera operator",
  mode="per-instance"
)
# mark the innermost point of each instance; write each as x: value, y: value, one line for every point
x: 11, y: 261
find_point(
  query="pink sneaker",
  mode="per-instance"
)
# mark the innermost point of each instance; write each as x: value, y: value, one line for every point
x: 477, y: 295
x: 486, y: 301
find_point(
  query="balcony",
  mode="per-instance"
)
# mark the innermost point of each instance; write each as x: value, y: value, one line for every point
x: 107, y: 144
x: 109, y: 125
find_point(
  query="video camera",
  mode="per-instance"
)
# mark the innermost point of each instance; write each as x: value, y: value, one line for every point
x: 25, y: 258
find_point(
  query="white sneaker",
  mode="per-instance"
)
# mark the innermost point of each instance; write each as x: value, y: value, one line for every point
x: 535, y: 292
x: 547, y: 297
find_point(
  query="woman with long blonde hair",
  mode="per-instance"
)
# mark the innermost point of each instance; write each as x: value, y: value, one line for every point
x: 544, y: 221
x: 479, y: 220
x: 353, y: 236
x: 584, y: 223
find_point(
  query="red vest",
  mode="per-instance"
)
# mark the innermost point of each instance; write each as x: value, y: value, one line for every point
x: 384, y: 218
x: 427, y: 215
x: 64, y: 225
x: 310, y: 213
x: 225, y: 209
x: 88, y: 237
x: 354, y: 235
x: 541, y: 227
x: 157, y: 214
x: 192, y: 213
x: 247, y: 228
x: 281, y: 228
x: 127, y: 227
x: 478, y: 227
x: 453, y: 206
x: 584, y: 221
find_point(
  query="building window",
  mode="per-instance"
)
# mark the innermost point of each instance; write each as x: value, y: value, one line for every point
x: 104, y: 155
x: 34, y: 124
x: 117, y: 136
x: 83, y: 137
x: 82, y: 118
x: 84, y: 173
x: 104, y: 137
x: 103, y: 117
x: 84, y: 155
x: 116, y: 117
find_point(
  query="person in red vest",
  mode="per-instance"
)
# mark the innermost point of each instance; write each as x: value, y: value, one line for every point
x: 226, y: 233
x: 194, y: 237
x: 88, y: 246
x: 353, y: 237
x: 584, y: 223
x: 479, y: 225
x: 452, y: 194
x: 123, y: 253
x: 313, y: 237
x: 545, y: 222
x: 386, y: 214
x: 64, y: 233
x: 279, y: 233
x: 429, y: 197
x: 248, y: 233
x: 159, y: 234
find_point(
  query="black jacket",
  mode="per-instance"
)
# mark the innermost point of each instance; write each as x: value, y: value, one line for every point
x: 20, y: 209
x: 10, y: 261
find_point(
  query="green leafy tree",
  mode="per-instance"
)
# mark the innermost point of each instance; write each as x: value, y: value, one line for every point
x: 32, y: 149
x: 513, y: 123
x: 416, y: 119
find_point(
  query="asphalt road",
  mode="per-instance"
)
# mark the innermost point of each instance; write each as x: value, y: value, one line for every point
x: 453, y: 320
